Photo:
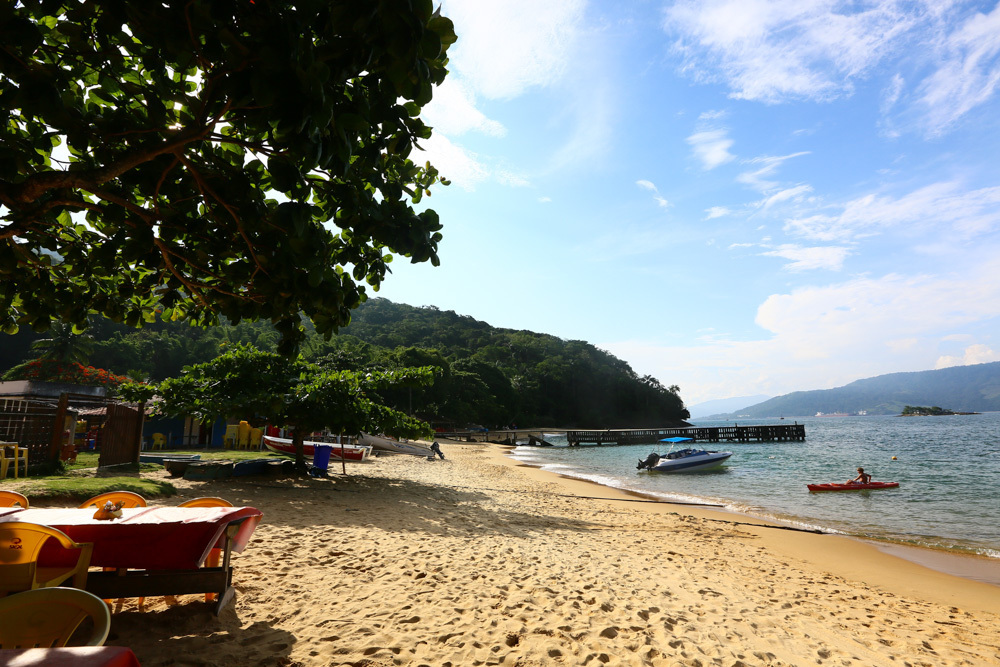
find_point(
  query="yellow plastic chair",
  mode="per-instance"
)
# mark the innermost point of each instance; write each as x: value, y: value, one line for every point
x: 48, y: 617
x: 229, y: 439
x: 256, y: 435
x: 11, y: 453
x: 20, y: 544
x: 159, y: 440
x: 215, y: 555
x: 11, y: 498
x: 127, y: 498
x: 243, y: 435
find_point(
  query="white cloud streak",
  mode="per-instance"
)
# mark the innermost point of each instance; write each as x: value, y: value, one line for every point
x: 711, y: 147
x: 945, y: 207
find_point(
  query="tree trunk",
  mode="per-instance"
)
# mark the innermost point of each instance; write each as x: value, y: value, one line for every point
x: 300, y: 454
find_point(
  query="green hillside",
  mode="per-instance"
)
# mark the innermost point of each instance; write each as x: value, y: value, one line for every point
x: 960, y: 388
x: 488, y: 376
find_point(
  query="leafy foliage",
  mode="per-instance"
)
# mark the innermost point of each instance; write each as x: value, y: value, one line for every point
x: 483, y: 375
x: 63, y: 344
x: 288, y: 392
x: 184, y: 158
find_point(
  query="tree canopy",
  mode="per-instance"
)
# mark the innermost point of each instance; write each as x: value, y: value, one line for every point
x: 205, y: 158
x: 285, y: 392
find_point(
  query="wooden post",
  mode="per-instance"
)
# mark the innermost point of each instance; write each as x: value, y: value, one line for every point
x: 138, y: 432
x: 58, y: 426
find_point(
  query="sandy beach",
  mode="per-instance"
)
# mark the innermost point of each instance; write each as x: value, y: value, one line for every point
x: 477, y: 561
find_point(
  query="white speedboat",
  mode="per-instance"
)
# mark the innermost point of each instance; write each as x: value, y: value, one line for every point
x: 683, y: 460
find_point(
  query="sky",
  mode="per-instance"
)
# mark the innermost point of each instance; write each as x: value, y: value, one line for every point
x: 737, y: 197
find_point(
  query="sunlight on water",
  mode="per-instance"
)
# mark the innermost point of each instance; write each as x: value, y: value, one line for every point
x: 948, y: 469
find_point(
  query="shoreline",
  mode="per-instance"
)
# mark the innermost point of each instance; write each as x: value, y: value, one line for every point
x: 975, y: 567
x: 894, y: 566
x: 478, y: 561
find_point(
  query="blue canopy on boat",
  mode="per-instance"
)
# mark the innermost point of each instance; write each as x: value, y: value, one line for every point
x: 676, y: 439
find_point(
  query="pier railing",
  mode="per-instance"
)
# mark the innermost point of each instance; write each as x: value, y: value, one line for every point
x: 757, y: 433
x: 638, y: 436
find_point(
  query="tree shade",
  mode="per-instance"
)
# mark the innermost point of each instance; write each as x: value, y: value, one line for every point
x: 202, y: 158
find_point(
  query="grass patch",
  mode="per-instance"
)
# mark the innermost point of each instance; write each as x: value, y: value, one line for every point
x: 77, y: 488
x: 82, y: 479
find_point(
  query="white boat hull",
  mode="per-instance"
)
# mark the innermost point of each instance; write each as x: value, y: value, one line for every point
x: 384, y: 444
x: 696, y: 462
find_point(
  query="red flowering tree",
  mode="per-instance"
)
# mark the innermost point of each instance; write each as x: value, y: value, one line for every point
x: 49, y: 370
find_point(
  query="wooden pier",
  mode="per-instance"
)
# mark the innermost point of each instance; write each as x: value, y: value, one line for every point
x: 759, y: 433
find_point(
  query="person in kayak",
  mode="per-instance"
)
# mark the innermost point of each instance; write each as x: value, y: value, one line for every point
x: 862, y: 478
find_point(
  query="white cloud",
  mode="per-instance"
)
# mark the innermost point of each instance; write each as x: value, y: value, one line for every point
x: 648, y: 185
x: 772, y: 50
x: 829, y: 257
x: 944, y: 207
x: 508, y: 46
x: 968, y: 72
x: 974, y: 354
x: 820, y: 337
x: 766, y: 166
x: 461, y: 167
x: 453, y: 111
x: 786, y: 195
x: 716, y: 212
x: 711, y: 147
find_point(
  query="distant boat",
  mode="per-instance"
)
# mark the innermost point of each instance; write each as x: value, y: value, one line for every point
x: 832, y: 414
x: 287, y: 447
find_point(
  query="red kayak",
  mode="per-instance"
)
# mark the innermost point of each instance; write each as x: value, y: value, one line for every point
x: 854, y: 486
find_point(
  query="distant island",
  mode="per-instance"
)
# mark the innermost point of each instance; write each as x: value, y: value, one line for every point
x: 920, y: 411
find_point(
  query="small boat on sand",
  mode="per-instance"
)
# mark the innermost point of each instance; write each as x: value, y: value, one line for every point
x: 287, y: 447
x: 382, y: 443
x: 683, y: 460
x: 852, y: 486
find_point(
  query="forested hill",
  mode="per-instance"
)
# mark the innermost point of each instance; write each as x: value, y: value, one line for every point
x: 961, y: 388
x: 488, y: 376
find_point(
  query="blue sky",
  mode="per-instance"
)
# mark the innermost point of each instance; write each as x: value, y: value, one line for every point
x: 735, y: 196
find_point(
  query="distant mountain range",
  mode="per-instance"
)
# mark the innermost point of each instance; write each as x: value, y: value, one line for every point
x: 960, y: 388
x: 723, y: 405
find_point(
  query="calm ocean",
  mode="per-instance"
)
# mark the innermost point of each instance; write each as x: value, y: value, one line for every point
x: 948, y: 469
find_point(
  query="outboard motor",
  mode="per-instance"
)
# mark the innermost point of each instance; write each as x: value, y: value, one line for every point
x: 650, y: 461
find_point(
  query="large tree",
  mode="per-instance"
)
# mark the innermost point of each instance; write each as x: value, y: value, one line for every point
x: 285, y: 392
x: 205, y: 158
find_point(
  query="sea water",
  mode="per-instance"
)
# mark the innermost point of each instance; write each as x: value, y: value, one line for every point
x: 948, y: 469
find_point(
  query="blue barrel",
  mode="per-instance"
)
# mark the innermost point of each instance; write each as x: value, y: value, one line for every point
x: 321, y: 456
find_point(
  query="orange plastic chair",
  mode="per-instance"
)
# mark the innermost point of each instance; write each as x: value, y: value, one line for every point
x: 11, y: 498
x: 215, y: 555
x: 20, y: 544
x: 206, y: 502
x: 48, y: 617
x: 128, y: 499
